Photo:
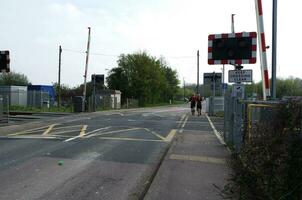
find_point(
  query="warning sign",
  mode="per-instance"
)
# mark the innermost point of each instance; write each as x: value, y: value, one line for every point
x: 237, y: 76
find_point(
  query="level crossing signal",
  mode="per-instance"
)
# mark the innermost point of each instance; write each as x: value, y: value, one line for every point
x: 232, y: 48
x: 98, y: 78
x: 4, y: 61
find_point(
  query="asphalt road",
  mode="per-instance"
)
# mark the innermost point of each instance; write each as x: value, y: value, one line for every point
x: 105, y: 155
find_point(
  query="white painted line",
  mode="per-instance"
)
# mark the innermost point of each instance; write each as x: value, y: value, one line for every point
x: 67, y: 127
x: 73, y: 138
x: 215, y: 131
x: 116, y: 131
x: 183, y: 125
x: 130, y: 139
x: 96, y: 130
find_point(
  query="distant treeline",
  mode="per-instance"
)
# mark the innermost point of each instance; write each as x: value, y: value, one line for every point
x: 284, y: 87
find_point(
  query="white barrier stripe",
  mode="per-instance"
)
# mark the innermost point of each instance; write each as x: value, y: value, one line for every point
x: 264, y: 64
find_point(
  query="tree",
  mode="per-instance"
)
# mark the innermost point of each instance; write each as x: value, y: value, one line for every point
x: 14, y: 78
x: 146, y: 78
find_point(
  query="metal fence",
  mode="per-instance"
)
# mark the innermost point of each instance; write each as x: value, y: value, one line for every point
x: 27, y: 98
x: 130, y: 103
x: 38, y: 99
x: 4, y: 109
x: 213, y: 105
x: 241, y: 116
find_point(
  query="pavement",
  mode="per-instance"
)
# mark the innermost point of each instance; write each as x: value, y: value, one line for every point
x: 195, y: 167
x: 152, y: 153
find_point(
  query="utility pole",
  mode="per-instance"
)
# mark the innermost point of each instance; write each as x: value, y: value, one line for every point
x: 94, y: 101
x: 197, y: 86
x: 86, y: 68
x: 59, y: 77
x: 274, y: 49
x: 184, y: 88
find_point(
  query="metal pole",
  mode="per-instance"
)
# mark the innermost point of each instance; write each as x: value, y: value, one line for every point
x: 274, y: 49
x: 86, y: 68
x: 184, y: 88
x: 94, y: 101
x: 59, y: 77
x: 214, y: 84
x: 197, y: 87
x: 223, y: 79
x: 233, y: 25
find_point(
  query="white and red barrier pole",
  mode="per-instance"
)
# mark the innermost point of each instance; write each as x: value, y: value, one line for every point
x: 262, y: 49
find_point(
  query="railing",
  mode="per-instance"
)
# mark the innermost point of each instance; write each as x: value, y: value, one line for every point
x: 241, y: 117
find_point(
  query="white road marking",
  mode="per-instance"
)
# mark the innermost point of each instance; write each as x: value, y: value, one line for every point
x: 96, y: 130
x: 130, y: 139
x: 183, y: 125
x: 116, y: 131
x: 215, y: 131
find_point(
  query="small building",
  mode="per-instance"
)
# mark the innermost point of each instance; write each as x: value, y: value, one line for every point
x: 17, y: 95
x: 41, y: 95
x: 110, y: 99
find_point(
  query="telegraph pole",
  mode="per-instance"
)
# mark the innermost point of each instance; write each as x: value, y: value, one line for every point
x: 184, y: 88
x: 197, y: 86
x: 86, y: 68
x: 59, y: 77
x: 274, y: 49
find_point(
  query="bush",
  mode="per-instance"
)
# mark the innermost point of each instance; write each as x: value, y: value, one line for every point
x: 269, y: 165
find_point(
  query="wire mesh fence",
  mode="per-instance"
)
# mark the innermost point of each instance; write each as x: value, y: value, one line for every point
x: 242, y: 116
x: 4, y: 109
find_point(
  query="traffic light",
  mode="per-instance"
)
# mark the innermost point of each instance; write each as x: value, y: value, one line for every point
x: 233, y: 48
x: 4, y: 61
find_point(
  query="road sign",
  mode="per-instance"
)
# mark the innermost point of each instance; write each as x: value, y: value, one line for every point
x: 209, y: 78
x: 238, y: 91
x: 237, y: 76
x: 232, y: 48
x: 4, y: 61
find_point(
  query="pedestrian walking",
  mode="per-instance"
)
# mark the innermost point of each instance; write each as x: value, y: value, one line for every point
x: 199, y: 104
x: 193, y: 104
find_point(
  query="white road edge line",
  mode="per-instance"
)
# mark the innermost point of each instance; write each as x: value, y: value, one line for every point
x: 96, y: 130
x: 215, y: 131
x: 183, y: 125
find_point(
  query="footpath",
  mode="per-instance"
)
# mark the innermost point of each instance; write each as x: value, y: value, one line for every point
x: 195, y: 166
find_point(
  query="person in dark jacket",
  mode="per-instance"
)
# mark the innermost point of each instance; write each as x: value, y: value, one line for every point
x: 193, y: 104
x: 199, y: 104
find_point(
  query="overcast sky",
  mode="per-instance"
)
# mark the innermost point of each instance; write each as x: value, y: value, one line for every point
x: 33, y: 30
